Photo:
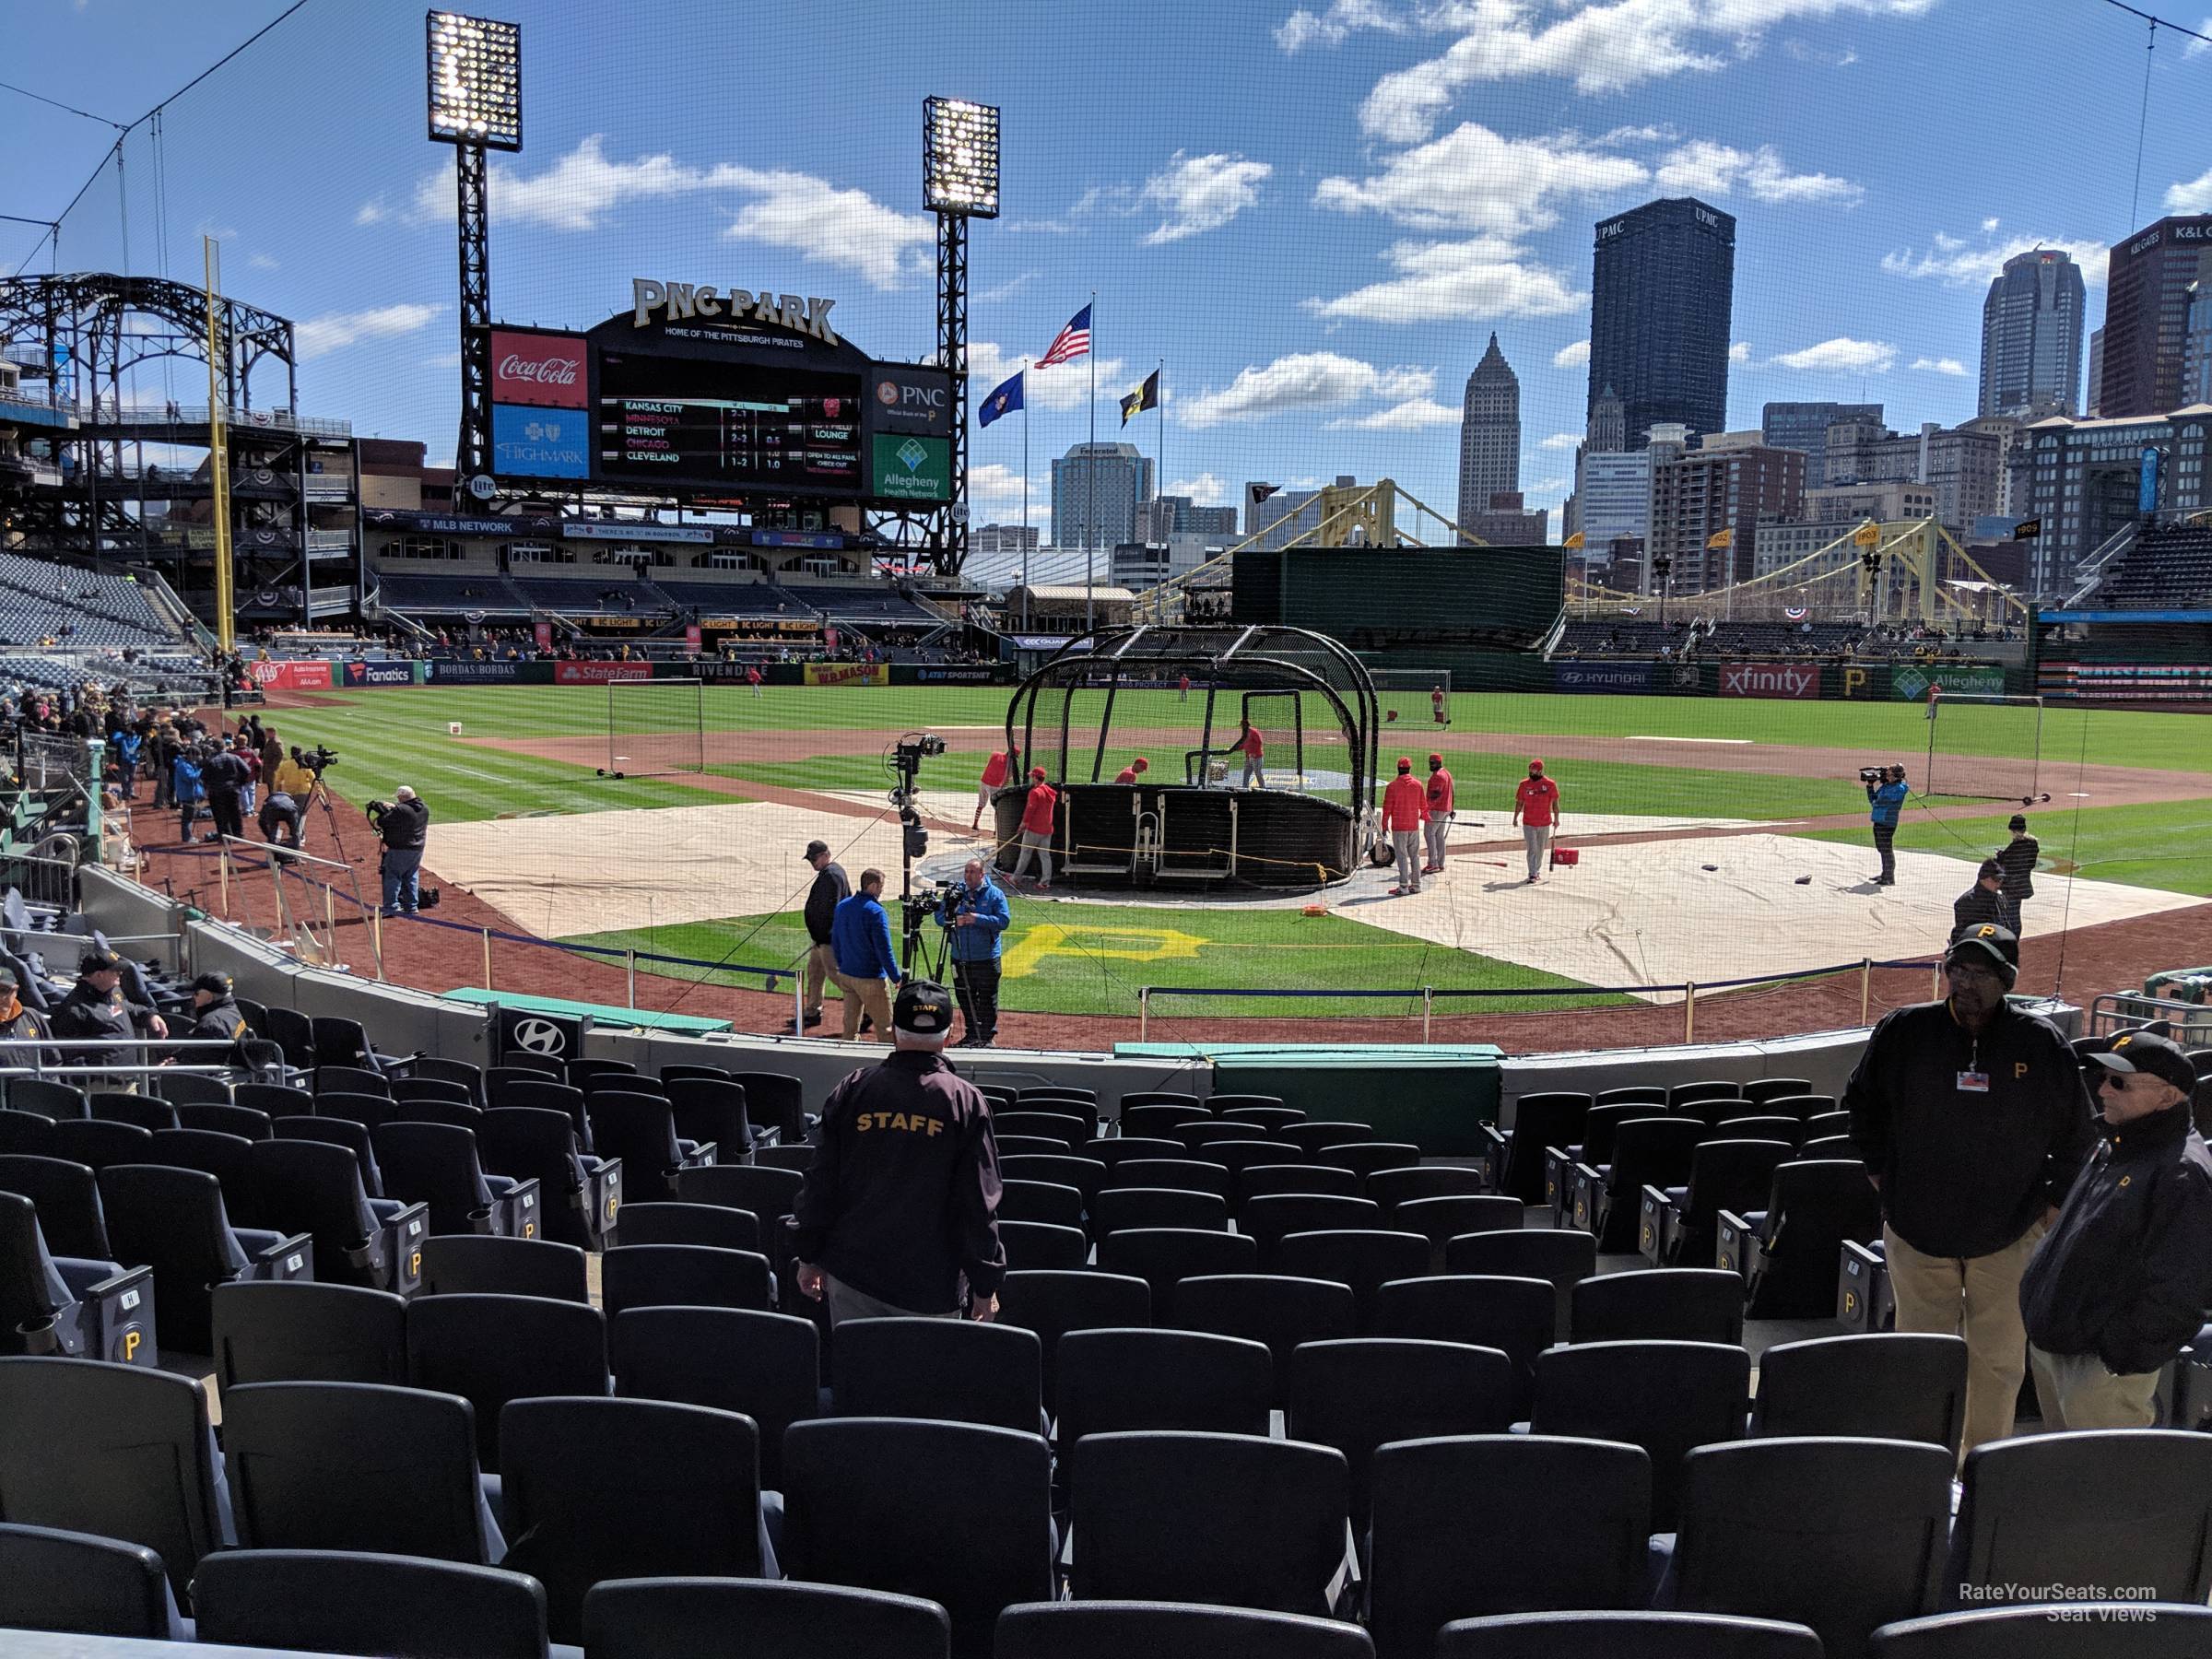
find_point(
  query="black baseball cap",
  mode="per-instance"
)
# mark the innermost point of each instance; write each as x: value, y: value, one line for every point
x: 2018, y: 821
x: 1997, y: 945
x: 2142, y: 1051
x: 9, y: 982
x: 215, y: 985
x: 1990, y: 866
x: 815, y: 849
x: 923, y: 1008
x: 98, y: 961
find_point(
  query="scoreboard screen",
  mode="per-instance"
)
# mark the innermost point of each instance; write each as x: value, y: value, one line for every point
x: 663, y: 417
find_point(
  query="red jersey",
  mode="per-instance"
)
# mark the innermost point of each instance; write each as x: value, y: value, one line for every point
x: 1128, y: 775
x: 994, y: 769
x: 1037, y: 814
x: 1251, y: 744
x: 752, y: 677
x: 1440, y: 793
x: 1436, y: 698
x: 1184, y: 684
x: 1538, y: 799
x: 1403, y: 806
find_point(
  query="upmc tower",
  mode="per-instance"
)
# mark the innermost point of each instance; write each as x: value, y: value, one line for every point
x: 1660, y: 290
x: 2147, y: 314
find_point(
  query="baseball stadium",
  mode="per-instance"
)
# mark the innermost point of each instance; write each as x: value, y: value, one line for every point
x: 1495, y: 981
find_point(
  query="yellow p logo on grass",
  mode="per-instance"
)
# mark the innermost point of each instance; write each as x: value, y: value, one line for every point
x: 1122, y: 943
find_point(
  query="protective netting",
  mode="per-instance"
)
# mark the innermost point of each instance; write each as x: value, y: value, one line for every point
x: 1985, y: 749
x: 654, y: 727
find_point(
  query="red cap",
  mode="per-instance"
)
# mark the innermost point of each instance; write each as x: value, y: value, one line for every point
x: 1435, y: 760
x: 1535, y: 766
x: 1037, y: 772
x: 1404, y: 762
x: 1141, y: 764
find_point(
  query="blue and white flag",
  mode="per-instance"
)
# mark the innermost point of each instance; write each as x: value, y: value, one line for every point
x: 1003, y: 400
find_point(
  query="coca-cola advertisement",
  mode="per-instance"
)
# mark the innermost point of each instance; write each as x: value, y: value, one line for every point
x: 542, y: 369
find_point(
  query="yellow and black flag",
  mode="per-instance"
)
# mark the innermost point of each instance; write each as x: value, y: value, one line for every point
x: 1146, y: 396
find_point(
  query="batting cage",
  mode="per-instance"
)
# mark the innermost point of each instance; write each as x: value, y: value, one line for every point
x: 654, y: 727
x: 1200, y: 756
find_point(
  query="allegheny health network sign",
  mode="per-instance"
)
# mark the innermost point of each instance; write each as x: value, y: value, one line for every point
x: 909, y: 468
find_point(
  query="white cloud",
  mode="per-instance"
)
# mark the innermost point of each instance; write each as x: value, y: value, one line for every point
x: 1740, y: 352
x: 1953, y: 264
x: 1576, y: 356
x: 2198, y: 48
x: 1989, y: 226
x: 1603, y: 47
x: 785, y: 209
x: 1063, y: 386
x: 333, y: 331
x: 1704, y: 168
x: 1841, y: 355
x: 1561, y: 440
x: 1330, y: 27
x: 1473, y: 179
x: 1408, y: 417
x: 1008, y: 288
x: 1939, y: 365
x: 1205, y: 490
x: 444, y: 360
x: 261, y: 262
x: 1487, y: 277
x: 994, y: 481
x: 2195, y: 196
x: 1307, y: 380
x: 1201, y: 192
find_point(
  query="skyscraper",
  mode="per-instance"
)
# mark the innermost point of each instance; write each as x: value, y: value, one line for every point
x: 1803, y: 426
x: 1490, y: 435
x: 1662, y: 287
x: 1096, y: 489
x: 2032, y: 336
x: 1608, y: 433
x: 2147, y: 314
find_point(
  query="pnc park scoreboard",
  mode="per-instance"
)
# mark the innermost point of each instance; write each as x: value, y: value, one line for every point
x: 698, y: 390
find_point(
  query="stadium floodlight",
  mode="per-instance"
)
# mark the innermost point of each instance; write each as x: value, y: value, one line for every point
x: 960, y: 158
x: 476, y: 70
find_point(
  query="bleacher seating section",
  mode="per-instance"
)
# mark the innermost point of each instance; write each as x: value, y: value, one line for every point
x: 616, y: 593
x: 1600, y: 636
x: 441, y: 1443
x: 2169, y: 568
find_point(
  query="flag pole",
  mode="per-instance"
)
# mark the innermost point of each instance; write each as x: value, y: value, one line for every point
x: 1090, y: 526
x: 1025, y: 495
x: 1159, y: 447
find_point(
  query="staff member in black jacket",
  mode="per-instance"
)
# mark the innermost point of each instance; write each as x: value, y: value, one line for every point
x: 1985, y: 903
x: 2121, y: 1283
x: 902, y: 1201
x: 2017, y: 858
x: 1973, y: 1123
x: 831, y: 889
x: 96, y: 1010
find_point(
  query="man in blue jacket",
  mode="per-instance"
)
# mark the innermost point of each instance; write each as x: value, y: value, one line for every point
x: 1883, y: 800
x: 974, y: 914
x: 867, y: 962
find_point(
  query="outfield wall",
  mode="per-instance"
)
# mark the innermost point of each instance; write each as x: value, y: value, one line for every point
x: 315, y: 673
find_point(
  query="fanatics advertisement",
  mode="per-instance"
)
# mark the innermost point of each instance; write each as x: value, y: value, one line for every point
x: 380, y: 674
x: 1770, y: 679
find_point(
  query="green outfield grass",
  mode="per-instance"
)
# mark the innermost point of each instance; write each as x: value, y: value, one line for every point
x: 1092, y: 958
x: 2164, y: 844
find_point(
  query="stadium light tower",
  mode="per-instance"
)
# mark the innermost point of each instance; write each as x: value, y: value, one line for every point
x: 959, y: 181
x: 475, y: 105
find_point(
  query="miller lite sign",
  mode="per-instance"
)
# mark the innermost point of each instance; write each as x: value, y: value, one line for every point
x: 544, y: 371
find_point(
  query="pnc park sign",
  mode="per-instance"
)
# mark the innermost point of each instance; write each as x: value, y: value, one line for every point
x: 651, y: 300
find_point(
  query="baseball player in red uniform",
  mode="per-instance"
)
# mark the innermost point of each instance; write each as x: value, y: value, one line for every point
x: 1133, y: 770
x: 995, y: 775
x: 1440, y: 813
x: 1435, y: 707
x: 1183, y: 689
x: 1405, y: 810
x: 1250, y: 744
x: 752, y: 678
x: 1536, y: 810
x: 1037, y: 828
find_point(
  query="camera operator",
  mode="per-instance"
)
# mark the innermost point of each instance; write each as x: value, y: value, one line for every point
x: 1884, y: 797
x: 974, y: 914
x: 225, y: 776
x: 401, y: 827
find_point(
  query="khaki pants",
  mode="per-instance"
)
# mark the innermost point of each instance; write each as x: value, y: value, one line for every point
x: 1438, y: 828
x: 869, y: 996
x: 821, y: 965
x: 847, y: 1303
x: 1406, y: 846
x: 1978, y: 1297
x: 1536, y: 838
x: 2077, y: 1392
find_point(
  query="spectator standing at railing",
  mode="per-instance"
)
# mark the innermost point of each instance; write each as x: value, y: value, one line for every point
x: 187, y: 790
x: 19, y: 1024
x: 128, y: 744
x: 96, y: 1011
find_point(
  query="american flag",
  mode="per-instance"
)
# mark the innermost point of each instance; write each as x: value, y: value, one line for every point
x: 1072, y: 342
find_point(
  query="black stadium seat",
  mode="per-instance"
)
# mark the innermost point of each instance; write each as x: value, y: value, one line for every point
x: 1053, y: 1302
x: 1264, y: 1307
x: 75, y: 1306
x: 2053, y: 1630
x: 174, y: 1220
x: 482, y: 1264
x: 655, y: 1618
x: 1041, y: 1247
x: 308, y: 1332
x: 1160, y: 1256
x: 1040, y: 1201
x: 767, y: 1366
x: 714, y: 1224
x: 67, y: 1196
x: 1112, y: 1380
x: 660, y: 1276
x: 328, y: 1601
x: 955, y: 1371
x: 1664, y: 1396
x: 1683, y: 1304
x: 314, y: 1187
x: 1889, y: 1384
x: 1360, y: 1394
x: 53, y: 1579
x: 1625, y: 1636
x: 1117, y: 1629
x: 491, y: 1349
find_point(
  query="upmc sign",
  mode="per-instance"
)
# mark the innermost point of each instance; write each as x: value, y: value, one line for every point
x: 544, y: 371
x: 1770, y: 679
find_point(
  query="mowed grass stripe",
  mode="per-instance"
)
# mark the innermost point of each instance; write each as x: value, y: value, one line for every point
x: 2163, y: 844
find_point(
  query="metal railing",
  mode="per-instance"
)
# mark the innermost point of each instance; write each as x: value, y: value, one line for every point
x: 2111, y: 1012
x: 30, y: 1056
x: 245, y: 421
x: 293, y: 926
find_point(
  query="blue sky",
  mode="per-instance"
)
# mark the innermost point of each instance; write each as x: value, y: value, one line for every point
x: 1315, y: 217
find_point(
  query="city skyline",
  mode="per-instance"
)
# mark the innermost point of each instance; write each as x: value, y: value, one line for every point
x: 1317, y: 244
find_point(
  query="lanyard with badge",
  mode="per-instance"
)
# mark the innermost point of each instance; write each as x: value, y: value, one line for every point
x: 1974, y: 1080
